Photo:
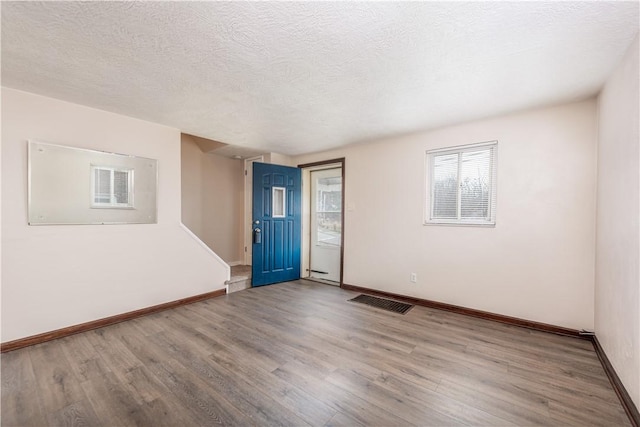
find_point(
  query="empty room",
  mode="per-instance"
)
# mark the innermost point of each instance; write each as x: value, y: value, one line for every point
x: 320, y: 213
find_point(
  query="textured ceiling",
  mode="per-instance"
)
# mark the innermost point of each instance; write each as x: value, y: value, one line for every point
x: 302, y: 77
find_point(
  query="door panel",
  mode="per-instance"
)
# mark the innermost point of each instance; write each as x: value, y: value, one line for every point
x: 326, y: 224
x: 277, y: 224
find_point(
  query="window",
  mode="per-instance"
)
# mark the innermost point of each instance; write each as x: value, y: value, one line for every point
x: 328, y: 209
x: 111, y: 187
x: 462, y: 185
x: 279, y: 202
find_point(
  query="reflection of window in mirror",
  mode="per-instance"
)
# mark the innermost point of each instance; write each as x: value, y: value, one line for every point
x: 111, y: 187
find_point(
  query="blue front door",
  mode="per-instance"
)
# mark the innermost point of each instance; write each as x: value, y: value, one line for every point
x: 277, y: 223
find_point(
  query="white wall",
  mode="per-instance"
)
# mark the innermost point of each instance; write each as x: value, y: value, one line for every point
x: 58, y: 276
x: 213, y: 199
x: 617, y: 291
x: 278, y: 159
x: 536, y: 264
x: 191, y: 182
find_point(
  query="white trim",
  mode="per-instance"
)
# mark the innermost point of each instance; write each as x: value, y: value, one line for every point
x: 234, y: 263
x: 463, y: 147
x: 456, y: 223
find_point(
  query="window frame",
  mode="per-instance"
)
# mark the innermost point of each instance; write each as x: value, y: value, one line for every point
x: 112, y: 205
x: 490, y: 221
x: 275, y: 190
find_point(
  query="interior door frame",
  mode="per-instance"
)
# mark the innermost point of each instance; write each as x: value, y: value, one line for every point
x: 326, y: 164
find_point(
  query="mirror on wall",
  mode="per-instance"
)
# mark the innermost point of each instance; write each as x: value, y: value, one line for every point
x: 70, y: 185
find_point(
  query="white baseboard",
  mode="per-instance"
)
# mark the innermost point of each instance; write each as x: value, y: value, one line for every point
x: 234, y: 263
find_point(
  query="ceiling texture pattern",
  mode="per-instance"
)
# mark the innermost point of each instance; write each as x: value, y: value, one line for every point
x: 308, y: 76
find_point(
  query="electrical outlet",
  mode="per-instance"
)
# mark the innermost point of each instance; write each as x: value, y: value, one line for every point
x: 414, y: 277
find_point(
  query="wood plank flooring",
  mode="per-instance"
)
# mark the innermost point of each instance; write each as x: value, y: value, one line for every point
x: 299, y: 354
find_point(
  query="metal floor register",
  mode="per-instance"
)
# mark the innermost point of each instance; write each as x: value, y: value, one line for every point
x: 385, y: 304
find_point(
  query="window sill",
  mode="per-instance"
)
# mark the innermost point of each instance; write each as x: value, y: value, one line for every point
x: 112, y: 207
x: 462, y: 224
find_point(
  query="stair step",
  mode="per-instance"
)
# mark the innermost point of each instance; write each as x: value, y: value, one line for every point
x: 238, y: 283
x: 235, y: 279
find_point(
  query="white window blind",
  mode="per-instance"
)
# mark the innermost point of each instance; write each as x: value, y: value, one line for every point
x: 462, y: 185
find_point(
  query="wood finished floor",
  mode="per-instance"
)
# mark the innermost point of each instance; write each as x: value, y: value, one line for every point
x: 299, y: 354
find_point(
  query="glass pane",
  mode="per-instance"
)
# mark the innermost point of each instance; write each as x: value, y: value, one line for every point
x: 445, y: 186
x: 475, y: 184
x: 121, y: 186
x: 102, y: 189
x: 329, y: 210
x: 278, y: 202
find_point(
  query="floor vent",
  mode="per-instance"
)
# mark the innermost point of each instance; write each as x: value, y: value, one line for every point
x: 385, y: 304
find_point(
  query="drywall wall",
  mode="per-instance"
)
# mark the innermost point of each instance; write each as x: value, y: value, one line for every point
x: 278, y: 159
x: 212, y: 199
x: 617, y: 286
x: 538, y: 261
x: 191, y: 182
x: 57, y: 276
